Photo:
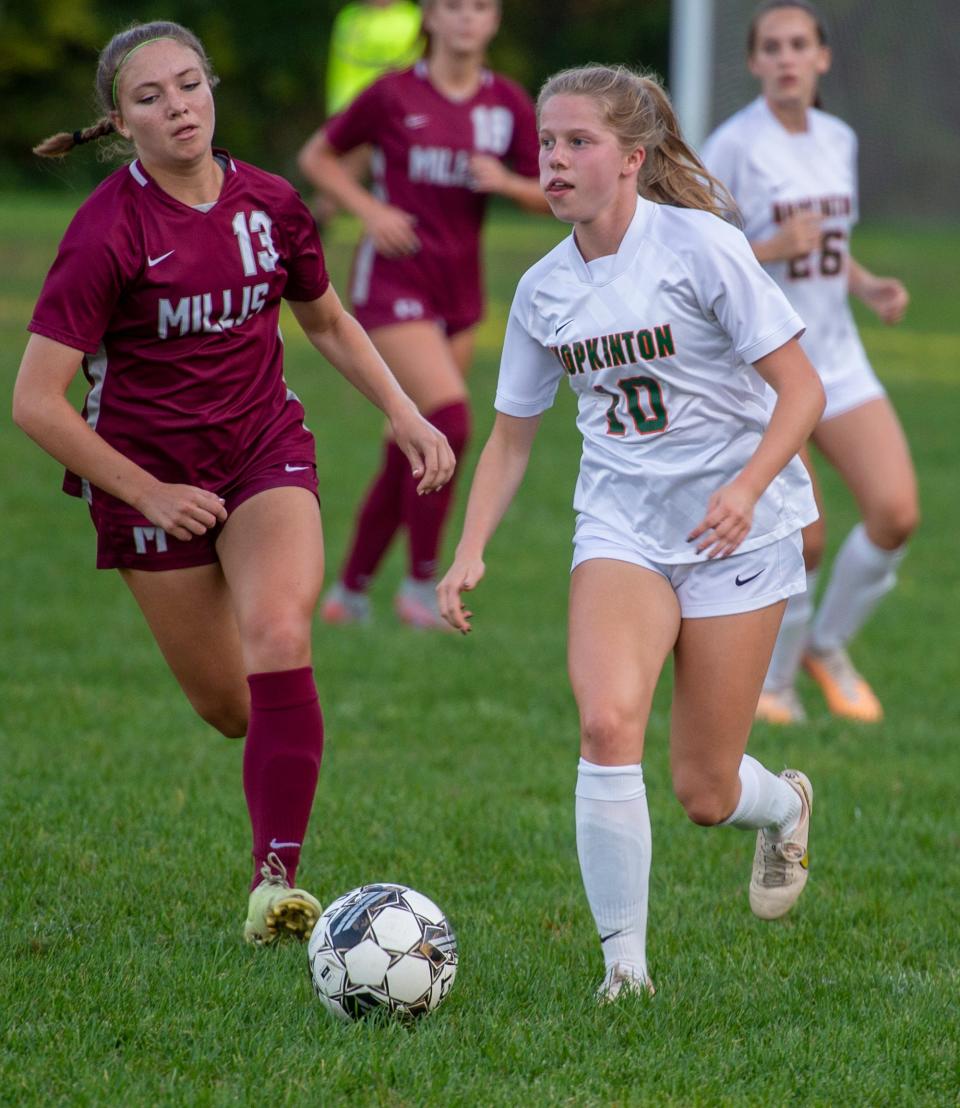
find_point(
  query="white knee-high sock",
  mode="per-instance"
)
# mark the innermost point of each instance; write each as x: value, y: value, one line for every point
x: 862, y: 574
x: 614, y: 847
x: 792, y: 639
x: 765, y: 800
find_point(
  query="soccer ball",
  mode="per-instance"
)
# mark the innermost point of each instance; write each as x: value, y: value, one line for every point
x: 382, y: 948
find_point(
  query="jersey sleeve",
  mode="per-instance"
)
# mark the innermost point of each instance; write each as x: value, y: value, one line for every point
x: 524, y: 153
x: 360, y: 121
x: 529, y: 373
x: 81, y: 291
x: 307, y: 277
x: 735, y: 289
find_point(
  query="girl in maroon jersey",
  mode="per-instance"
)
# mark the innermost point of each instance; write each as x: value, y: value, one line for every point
x: 191, y: 451
x: 442, y: 131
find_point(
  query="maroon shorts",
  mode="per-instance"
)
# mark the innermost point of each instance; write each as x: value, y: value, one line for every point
x: 128, y: 540
x: 414, y: 289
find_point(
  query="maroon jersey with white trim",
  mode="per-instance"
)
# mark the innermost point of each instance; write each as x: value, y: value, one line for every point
x: 176, y: 310
x: 424, y: 142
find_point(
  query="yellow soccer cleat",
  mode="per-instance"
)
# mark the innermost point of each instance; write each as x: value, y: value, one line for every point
x: 276, y: 910
x: 846, y: 692
x: 781, y: 866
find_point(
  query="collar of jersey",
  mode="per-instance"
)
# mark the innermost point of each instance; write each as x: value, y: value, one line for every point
x: 604, y: 270
x: 143, y: 179
x: 772, y: 121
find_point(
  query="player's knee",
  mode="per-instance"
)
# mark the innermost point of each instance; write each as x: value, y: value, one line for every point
x: 228, y: 716
x: 706, y: 801
x: 892, y: 524
x: 609, y: 734
x: 277, y: 640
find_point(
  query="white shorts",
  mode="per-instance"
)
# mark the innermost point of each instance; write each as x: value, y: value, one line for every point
x: 847, y: 375
x: 721, y: 587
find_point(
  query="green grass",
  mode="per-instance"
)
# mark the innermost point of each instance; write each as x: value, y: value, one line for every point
x: 450, y: 766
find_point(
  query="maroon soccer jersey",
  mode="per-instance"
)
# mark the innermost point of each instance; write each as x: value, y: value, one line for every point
x: 424, y: 142
x: 176, y: 310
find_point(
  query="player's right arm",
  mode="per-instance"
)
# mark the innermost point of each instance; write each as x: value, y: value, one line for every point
x: 499, y: 472
x: 390, y: 228
x: 41, y: 409
x: 797, y: 236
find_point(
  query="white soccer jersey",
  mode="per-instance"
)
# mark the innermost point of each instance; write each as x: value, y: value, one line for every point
x: 656, y: 342
x: 771, y: 173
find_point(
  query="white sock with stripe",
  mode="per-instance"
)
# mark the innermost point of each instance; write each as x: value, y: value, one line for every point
x: 614, y: 846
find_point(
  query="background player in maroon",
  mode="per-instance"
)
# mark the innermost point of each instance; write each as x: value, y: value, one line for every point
x: 442, y: 132
x: 192, y: 454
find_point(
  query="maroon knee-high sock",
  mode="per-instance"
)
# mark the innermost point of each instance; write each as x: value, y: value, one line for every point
x: 425, y: 516
x: 281, y: 762
x: 378, y: 519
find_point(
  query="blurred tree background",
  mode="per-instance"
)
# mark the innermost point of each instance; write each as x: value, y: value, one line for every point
x: 271, y: 64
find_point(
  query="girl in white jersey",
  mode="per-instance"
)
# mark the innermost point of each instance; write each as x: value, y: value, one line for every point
x: 200, y: 475
x: 689, y: 501
x: 792, y: 170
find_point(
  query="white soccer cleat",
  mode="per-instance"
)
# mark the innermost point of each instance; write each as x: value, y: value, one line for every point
x: 621, y: 979
x: 780, y: 866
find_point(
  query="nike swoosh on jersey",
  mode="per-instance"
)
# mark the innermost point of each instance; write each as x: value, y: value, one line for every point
x: 415, y: 122
x: 562, y: 325
x: 738, y: 580
x: 294, y: 469
x: 151, y: 262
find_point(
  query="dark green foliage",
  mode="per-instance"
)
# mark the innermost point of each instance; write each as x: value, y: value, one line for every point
x: 271, y: 61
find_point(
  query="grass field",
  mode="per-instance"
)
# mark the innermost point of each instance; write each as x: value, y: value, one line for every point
x: 450, y: 766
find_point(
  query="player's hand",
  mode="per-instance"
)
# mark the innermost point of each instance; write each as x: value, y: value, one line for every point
x: 489, y: 173
x: 182, y: 510
x: 727, y: 522
x: 465, y: 574
x: 391, y: 230
x: 430, y: 456
x: 888, y: 297
x: 798, y: 236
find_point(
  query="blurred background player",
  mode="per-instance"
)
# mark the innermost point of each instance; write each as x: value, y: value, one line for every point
x: 442, y: 133
x: 191, y: 451
x: 690, y: 498
x: 792, y: 170
x: 367, y: 39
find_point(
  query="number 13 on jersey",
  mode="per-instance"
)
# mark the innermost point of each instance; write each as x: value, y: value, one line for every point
x: 245, y: 228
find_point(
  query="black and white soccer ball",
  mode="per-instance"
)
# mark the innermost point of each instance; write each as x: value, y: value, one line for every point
x: 382, y: 947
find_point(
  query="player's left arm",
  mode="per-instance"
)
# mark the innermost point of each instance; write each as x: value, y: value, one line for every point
x: 347, y: 347
x: 886, y: 296
x: 800, y: 402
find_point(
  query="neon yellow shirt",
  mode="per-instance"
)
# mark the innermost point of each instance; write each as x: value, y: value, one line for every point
x: 367, y: 40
